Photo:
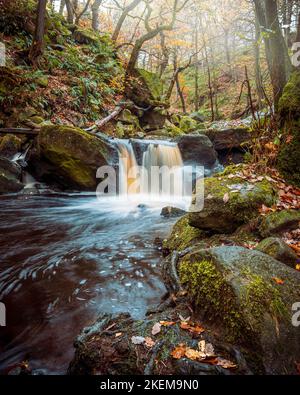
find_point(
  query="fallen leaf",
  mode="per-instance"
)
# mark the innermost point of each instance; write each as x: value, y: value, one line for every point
x: 179, y: 351
x: 137, y: 339
x: 149, y: 342
x: 192, y: 354
x: 226, y: 197
x: 278, y: 280
x: 167, y: 323
x: 192, y: 328
x: 298, y: 267
x: 156, y: 329
x: 226, y: 364
x: 118, y: 334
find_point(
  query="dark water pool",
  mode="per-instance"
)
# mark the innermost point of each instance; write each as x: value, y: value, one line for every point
x: 63, y: 260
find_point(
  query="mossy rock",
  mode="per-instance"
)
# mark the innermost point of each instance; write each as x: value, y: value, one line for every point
x: 183, y: 236
x: 172, y: 130
x: 289, y: 109
x: 235, y: 287
x: 75, y: 154
x: 42, y: 81
x: 279, y: 222
x: 144, y: 88
x: 10, y: 176
x: 228, y: 139
x: 85, y: 36
x: 278, y: 249
x: 187, y: 124
x: 244, y: 199
x: 10, y: 145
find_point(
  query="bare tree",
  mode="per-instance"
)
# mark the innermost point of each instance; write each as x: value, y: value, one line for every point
x: 37, y: 47
x: 151, y: 32
x: 95, y: 14
x: 123, y: 16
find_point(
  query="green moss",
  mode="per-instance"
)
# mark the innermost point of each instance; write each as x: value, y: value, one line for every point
x: 290, y: 99
x: 279, y: 221
x: 153, y: 83
x: 209, y: 291
x: 242, y: 314
x: 187, y: 124
x: 183, y: 235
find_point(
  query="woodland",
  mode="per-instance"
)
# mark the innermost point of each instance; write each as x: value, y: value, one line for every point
x: 140, y: 283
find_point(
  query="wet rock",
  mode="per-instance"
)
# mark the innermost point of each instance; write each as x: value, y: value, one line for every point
x: 169, y: 212
x: 278, y: 249
x: 227, y: 139
x: 153, y: 119
x: 279, y: 222
x: 10, y: 176
x: 10, y: 145
x: 235, y: 287
x: 229, y: 202
x: 197, y: 150
x: 72, y: 156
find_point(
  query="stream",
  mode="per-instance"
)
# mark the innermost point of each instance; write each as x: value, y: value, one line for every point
x: 66, y: 259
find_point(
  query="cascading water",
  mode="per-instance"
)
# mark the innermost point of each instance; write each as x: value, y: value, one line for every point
x: 159, y: 178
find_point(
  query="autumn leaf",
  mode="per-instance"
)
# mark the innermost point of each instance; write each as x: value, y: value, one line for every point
x: 156, y: 329
x: 179, y: 351
x: 192, y: 328
x: 192, y: 354
x: 167, y: 323
x: 118, y: 334
x: 225, y: 363
x: 278, y: 280
x: 226, y: 197
x: 149, y: 342
x: 298, y: 267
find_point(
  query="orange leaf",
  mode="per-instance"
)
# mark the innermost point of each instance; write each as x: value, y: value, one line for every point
x: 179, y: 351
x: 298, y: 267
x: 278, y: 280
x: 193, y: 328
x: 167, y: 323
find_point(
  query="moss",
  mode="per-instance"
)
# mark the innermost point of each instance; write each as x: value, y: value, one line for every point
x: 75, y: 153
x: 209, y: 291
x: 187, y: 124
x: 290, y: 99
x: 242, y: 312
x: 279, y: 221
x: 289, y: 108
x: 153, y: 82
x: 183, y: 235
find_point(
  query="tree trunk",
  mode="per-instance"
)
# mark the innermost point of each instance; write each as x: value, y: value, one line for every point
x: 196, y: 99
x: 278, y: 49
x: 180, y: 93
x: 62, y: 7
x: 122, y: 18
x: 258, y: 78
x: 298, y: 30
x: 37, y: 48
x: 95, y: 14
x: 70, y: 11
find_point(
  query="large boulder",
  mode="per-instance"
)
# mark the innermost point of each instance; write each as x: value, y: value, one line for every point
x: 227, y: 139
x: 289, y: 110
x: 75, y: 155
x: 279, y: 250
x: 197, y: 150
x: 85, y: 36
x: 10, y: 177
x: 279, y: 222
x: 229, y: 201
x: 251, y: 296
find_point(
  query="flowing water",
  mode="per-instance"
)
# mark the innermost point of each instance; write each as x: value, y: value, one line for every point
x: 65, y: 259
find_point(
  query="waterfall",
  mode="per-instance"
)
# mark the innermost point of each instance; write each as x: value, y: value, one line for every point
x: 161, y: 173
